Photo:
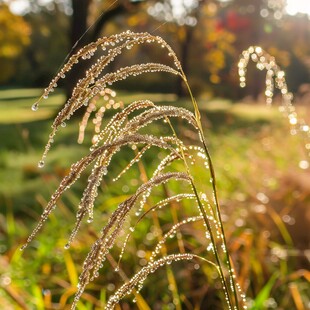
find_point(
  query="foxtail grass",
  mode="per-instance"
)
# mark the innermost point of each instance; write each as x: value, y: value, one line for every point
x: 131, y: 126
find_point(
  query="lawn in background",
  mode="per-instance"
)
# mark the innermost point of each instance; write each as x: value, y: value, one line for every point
x: 264, y: 192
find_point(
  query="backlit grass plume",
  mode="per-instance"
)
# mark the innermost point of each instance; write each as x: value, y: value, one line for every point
x: 184, y: 171
x: 275, y: 79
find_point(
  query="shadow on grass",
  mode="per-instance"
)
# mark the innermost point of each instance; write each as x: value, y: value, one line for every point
x: 222, y: 121
x: 22, y: 183
x: 23, y: 136
x: 22, y: 144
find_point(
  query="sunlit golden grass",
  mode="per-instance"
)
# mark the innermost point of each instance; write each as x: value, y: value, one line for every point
x: 241, y: 151
x: 126, y: 128
x: 161, y: 205
x: 19, y: 111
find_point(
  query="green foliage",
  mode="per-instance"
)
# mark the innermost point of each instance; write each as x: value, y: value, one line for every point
x: 264, y: 294
x: 49, y: 40
x: 187, y: 244
x: 126, y: 128
x: 245, y: 139
x: 210, y: 48
x: 14, y: 38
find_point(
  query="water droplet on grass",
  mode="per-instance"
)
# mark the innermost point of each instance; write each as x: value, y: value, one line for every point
x: 35, y: 107
x: 304, y: 164
x: 22, y: 248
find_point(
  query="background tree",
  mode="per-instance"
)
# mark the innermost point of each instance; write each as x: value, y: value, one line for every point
x: 264, y: 22
x: 14, y: 37
x: 207, y: 35
x: 87, y: 22
x: 49, y: 39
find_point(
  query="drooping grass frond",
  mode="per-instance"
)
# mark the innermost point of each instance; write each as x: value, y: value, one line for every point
x: 171, y: 233
x: 106, y: 44
x: 156, y: 113
x: 159, y: 205
x: 116, y: 123
x: 139, y: 278
x: 101, y: 247
x: 187, y: 169
x: 108, y: 97
x: 275, y: 78
x: 76, y: 169
x: 91, y: 85
x: 136, y: 159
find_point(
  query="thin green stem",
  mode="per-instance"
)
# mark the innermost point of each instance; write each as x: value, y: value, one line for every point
x: 206, y: 220
x: 214, y: 188
x: 217, y: 257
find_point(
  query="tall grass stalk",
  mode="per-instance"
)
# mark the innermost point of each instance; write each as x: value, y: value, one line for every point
x: 122, y: 130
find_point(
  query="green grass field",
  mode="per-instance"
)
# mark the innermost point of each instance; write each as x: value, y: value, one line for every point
x: 263, y: 189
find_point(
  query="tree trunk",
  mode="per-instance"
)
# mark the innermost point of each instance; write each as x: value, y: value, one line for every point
x: 80, y: 35
x: 256, y: 88
x: 184, y: 52
x: 79, y: 38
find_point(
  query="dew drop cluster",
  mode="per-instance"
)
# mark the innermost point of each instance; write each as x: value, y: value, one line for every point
x: 128, y: 131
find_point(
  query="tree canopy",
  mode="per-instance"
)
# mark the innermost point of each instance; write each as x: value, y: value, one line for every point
x: 14, y: 37
x: 207, y: 35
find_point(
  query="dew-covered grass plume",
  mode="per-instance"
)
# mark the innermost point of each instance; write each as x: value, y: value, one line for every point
x: 131, y: 126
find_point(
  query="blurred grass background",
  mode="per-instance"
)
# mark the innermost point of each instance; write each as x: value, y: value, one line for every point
x: 262, y: 170
x: 263, y: 190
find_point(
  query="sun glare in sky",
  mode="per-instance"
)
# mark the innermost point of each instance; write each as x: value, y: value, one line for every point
x: 21, y: 6
x: 293, y: 7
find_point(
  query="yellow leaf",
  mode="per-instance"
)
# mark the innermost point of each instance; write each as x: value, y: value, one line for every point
x: 73, y: 276
x: 141, y: 303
